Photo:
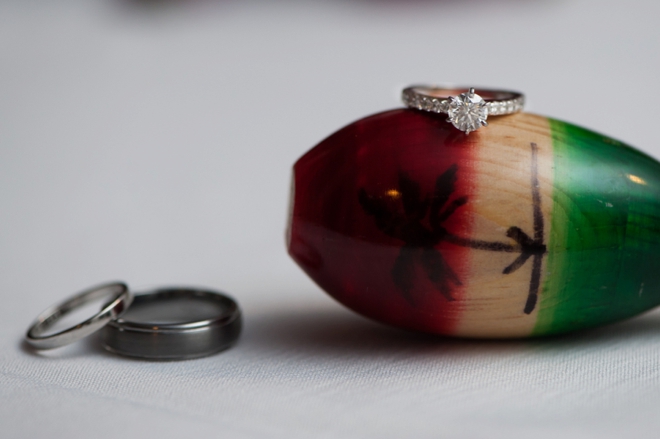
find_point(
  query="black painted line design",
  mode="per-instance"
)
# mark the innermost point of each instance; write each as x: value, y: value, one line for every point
x: 538, y: 248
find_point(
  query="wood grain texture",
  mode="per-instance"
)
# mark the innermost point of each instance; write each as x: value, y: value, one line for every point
x: 494, y: 303
x: 603, y: 263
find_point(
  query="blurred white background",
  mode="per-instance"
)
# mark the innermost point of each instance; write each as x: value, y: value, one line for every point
x: 152, y: 142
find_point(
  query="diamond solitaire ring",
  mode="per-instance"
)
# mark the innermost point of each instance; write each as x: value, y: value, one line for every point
x: 467, y: 110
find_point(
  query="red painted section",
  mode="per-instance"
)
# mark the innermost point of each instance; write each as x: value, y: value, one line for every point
x: 378, y: 253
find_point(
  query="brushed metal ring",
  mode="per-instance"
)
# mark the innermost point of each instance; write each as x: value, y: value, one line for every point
x: 175, y: 324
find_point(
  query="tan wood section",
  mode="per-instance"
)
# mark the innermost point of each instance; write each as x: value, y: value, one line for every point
x: 494, y: 303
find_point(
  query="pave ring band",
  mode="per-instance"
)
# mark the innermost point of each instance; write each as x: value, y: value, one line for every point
x: 119, y: 299
x: 467, y: 110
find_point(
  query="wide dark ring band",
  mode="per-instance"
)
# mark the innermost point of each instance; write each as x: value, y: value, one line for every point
x: 179, y: 340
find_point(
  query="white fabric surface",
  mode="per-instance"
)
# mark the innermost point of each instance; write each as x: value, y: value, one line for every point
x: 153, y: 142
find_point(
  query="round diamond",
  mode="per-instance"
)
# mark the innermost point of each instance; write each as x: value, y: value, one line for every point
x: 468, y: 111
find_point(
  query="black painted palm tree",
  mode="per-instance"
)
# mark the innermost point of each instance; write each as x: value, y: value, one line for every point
x: 420, y: 240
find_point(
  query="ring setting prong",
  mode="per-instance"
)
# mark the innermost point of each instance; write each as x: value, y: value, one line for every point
x: 468, y: 111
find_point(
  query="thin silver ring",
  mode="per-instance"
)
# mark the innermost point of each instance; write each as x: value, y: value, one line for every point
x: 144, y: 332
x: 468, y: 109
x: 120, y: 298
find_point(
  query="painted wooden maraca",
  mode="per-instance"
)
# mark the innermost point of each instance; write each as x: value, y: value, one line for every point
x: 528, y: 227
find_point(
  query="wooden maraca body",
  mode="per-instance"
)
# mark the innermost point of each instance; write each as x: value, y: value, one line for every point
x: 527, y: 227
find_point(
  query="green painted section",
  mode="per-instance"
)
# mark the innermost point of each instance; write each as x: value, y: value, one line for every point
x: 603, y: 261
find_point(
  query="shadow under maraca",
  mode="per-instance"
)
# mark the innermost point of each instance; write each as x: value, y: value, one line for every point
x: 159, y: 4
x: 336, y: 332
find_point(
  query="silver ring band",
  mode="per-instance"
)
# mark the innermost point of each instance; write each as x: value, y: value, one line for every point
x: 175, y: 324
x: 120, y: 299
x: 467, y: 108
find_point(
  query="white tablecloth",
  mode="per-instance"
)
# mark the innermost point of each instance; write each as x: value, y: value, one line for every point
x: 152, y: 142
